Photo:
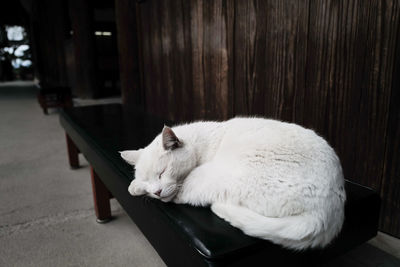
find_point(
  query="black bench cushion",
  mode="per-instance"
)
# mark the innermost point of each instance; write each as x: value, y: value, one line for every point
x: 101, y: 131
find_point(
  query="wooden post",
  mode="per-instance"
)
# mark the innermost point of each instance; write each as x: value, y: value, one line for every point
x: 47, y: 40
x: 73, y: 153
x: 132, y: 92
x: 81, y: 16
x: 101, y: 198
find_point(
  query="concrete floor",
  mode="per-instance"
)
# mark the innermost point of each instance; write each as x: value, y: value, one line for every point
x: 46, y: 209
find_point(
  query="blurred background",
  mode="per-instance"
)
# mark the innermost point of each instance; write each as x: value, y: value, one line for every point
x: 333, y: 66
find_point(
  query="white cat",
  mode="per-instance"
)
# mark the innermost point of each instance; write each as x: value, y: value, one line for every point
x: 273, y: 180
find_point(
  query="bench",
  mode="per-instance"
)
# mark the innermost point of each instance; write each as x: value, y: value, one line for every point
x: 54, y: 97
x: 184, y: 235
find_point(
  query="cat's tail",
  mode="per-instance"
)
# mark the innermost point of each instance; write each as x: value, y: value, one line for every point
x: 295, y: 232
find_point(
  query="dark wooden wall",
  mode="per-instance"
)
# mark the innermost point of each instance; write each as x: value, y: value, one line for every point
x: 66, y: 49
x: 82, y: 24
x: 128, y: 51
x: 47, y: 34
x: 327, y: 65
x: 390, y: 187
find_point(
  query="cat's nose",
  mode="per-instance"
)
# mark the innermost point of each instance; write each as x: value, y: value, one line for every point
x: 158, y: 193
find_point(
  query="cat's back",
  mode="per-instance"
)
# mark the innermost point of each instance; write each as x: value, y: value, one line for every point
x: 275, y: 150
x: 269, y: 131
x: 255, y: 135
x: 255, y: 125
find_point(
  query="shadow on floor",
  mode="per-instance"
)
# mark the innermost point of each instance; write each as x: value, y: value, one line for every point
x: 365, y: 255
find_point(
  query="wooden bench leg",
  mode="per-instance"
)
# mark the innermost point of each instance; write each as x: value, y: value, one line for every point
x: 73, y: 153
x: 101, y: 197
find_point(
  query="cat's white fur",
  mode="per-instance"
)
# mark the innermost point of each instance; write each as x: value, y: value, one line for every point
x: 273, y: 180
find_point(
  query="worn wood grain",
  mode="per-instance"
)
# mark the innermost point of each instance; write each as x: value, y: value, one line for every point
x: 270, y: 59
x: 81, y: 15
x: 390, y: 189
x: 129, y: 62
x: 346, y: 56
x: 48, y: 28
x: 185, y: 48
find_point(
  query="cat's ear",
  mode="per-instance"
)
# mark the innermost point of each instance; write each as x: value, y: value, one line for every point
x: 131, y: 156
x: 169, y: 139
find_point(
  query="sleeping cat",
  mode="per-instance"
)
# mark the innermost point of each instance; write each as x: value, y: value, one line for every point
x: 273, y: 180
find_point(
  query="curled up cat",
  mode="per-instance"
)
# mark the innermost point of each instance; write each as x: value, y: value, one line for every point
x: 273, y: 180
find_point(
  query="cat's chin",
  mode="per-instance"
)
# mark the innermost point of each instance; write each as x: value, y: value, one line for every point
x: 168, y: 192
x: 168, y: 198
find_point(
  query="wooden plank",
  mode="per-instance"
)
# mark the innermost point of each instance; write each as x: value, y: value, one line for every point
x: 270, y: 56
x: 47, y: 35
x: 215, y: 60
x: 81, y: 16
x: 196, y: 45
x: 390, y: 188
x: 132, y: 92
x: 185, y: 50
x: 346, y: 56
x: 149, y: 27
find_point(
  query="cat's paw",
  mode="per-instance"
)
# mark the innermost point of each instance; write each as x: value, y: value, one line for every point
x: 178, y: 200
x: 135, y: 189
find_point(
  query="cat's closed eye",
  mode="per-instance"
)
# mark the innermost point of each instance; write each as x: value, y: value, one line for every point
x: 159, y: 176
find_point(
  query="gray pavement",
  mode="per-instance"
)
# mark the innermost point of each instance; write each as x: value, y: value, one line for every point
x: 46, y: 209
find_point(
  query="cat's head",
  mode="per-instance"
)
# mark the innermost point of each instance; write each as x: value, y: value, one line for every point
x: 161, y: 166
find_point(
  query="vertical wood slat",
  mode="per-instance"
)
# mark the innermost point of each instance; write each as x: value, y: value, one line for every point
x: 390, y: 187
x: 215, y: 59
x: 48, y: 28
x: 180, y: 41
x: 132, y: 92
x: 344, y: 64
x: 81, y: 15
x: 196, y: 41
x: 390, y: 190
x: 327, y: 65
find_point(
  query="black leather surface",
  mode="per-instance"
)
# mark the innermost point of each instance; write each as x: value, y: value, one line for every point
x: 187, y: 235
